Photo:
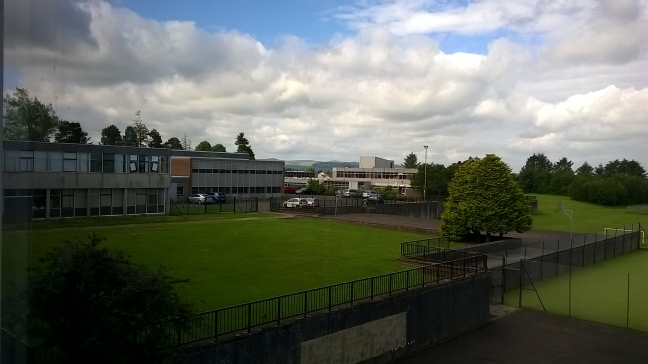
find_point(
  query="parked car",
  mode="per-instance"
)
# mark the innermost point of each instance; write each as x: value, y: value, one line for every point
x: 374, y: 200
x: 304, y: 191
x: 295, y: 203
x: 201, y: 198
x: 219, y: 197
x: 313, y: 202
x: 352, y: 193
x: 289, y: 190
x: 369, y: 193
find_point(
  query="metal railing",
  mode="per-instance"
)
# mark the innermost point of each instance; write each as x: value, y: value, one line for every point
x: 409, y: 247
x: 272, y: 311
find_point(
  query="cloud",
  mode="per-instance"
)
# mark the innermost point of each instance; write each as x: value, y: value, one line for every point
x: 375, y: 92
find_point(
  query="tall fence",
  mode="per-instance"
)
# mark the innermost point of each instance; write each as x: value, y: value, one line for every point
x: 232, y: 204
x: 418, y: 209
x: 555, y: 277
x: 273, y: 311
x: 331, y: 205
x: 14, y: 351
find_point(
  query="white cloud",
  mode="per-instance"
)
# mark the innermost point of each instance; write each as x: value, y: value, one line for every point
x: 379, y: 92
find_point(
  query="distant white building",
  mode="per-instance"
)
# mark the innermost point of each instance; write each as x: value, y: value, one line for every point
x: 374, y: 172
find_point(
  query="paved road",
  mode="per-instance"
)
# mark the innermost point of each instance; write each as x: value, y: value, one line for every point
x: 534, y: 337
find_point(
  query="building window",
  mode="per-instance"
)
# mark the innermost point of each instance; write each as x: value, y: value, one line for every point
x: 140, y: 201
x: 82, y: 162
x: 105, y: 207
x: 117, y: 201
x: 132, y: 163
x: 80, y: 202
x: 67, y: 203
x: 119, y: 163
x: 109, y: 163
x: 179, y: 191
x: 95, y: 200
x: 69, y: 162
x: 39, y: 200
x: 143, y: 164
x: 12, y: 160
x: 95, y: 162
x: 40, y: 161
x: 155, y: 164
x: 26, y: 160
x: 55, y: 203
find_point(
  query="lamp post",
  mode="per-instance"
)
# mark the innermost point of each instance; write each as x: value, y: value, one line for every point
x: 425, y: 174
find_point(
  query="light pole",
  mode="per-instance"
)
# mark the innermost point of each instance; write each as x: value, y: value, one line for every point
x: 570, y: 214
x: 425, y: 174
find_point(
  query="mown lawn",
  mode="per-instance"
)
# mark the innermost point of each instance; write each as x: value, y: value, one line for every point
x: 229, y: 260
x: 588, y: 218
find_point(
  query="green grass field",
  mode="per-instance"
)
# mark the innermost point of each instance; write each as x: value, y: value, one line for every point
x: 599, y: 292
x: 230, y: 259
x: 588, y: 218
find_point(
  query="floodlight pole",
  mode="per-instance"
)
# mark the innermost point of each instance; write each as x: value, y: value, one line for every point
x: 425, y: 173
x: 336, y: 201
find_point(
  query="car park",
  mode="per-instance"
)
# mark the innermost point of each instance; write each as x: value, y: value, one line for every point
x: 313, y: 202
x: 304, y: 191
x: 201, y: 198
x: 295, y: 203
x: 374, y: 200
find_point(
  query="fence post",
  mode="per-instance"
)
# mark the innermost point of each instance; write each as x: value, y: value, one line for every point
x: 249, y: 318
x: 234, y: 203
x: 216, y: 324
x: 628, y: 305
x: 542, y: 260
x: 623, y: 240
x: 503, y: 280
x: 330, y: 298
x: 352, y: 293
x: 464, y: 268
x: 570, y: 289
x: 615, y: 240
x: 406, y: 280
x: 521, y: 282
x: 305, y: 303
x: 584, y: 242
x: 372, y: 289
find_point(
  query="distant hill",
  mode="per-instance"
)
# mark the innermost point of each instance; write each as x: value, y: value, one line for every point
x: 326, y: 166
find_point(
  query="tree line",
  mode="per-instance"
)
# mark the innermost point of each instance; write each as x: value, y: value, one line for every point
x: 619, y: 182
x: 27, y: 118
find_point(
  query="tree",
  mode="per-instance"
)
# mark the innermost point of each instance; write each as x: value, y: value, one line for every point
x: 92, y: 302
x: 204, y: 146
x: 535, y: 176
x: 155, y: 139
x: 141, y: 133
x: 173, y: 143
x: 309, y: 169
x: 111, y: 135
x: 318, y: 188
x: 484, y: 198
x: 218, y: 148
x: 28, y: 119
x: 243, y: 145
x: 411, y: 161
x: 130, y: 137
x: 585, y: 170
x: 70, y: 132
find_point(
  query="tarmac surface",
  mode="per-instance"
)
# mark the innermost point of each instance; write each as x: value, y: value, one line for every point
x: 523, y: 336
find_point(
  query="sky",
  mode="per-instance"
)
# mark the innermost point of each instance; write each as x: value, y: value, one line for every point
x: 334, y: 80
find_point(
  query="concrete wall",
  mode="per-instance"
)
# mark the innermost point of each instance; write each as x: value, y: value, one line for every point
x: 373, y: 332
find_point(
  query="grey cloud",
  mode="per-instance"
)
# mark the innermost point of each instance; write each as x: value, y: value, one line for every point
x: 59, y: 25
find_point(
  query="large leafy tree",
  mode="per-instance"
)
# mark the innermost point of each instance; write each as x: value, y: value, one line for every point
x: 98, y: 306
x: 111, y: 135
x: 204, y: 146
x: 219, y: 148
x: 155, y: 139
x: 70, y: 132
x: 585, y: 170
x: 484, y: 198
x: 243, y: 145
x: 411, y: 161
x: 173, y: 143
x: 28, y: 118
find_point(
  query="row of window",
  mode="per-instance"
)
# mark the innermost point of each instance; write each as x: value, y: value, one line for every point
x: 235, y: 171
x: 100, y: 202
x: 231, y: 190
x: 51, y: 161
x: 374, y: 175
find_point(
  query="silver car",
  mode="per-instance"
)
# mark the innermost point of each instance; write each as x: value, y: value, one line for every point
x: 313, y: 202
x: 201, y: 198
x: 295, y: 203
